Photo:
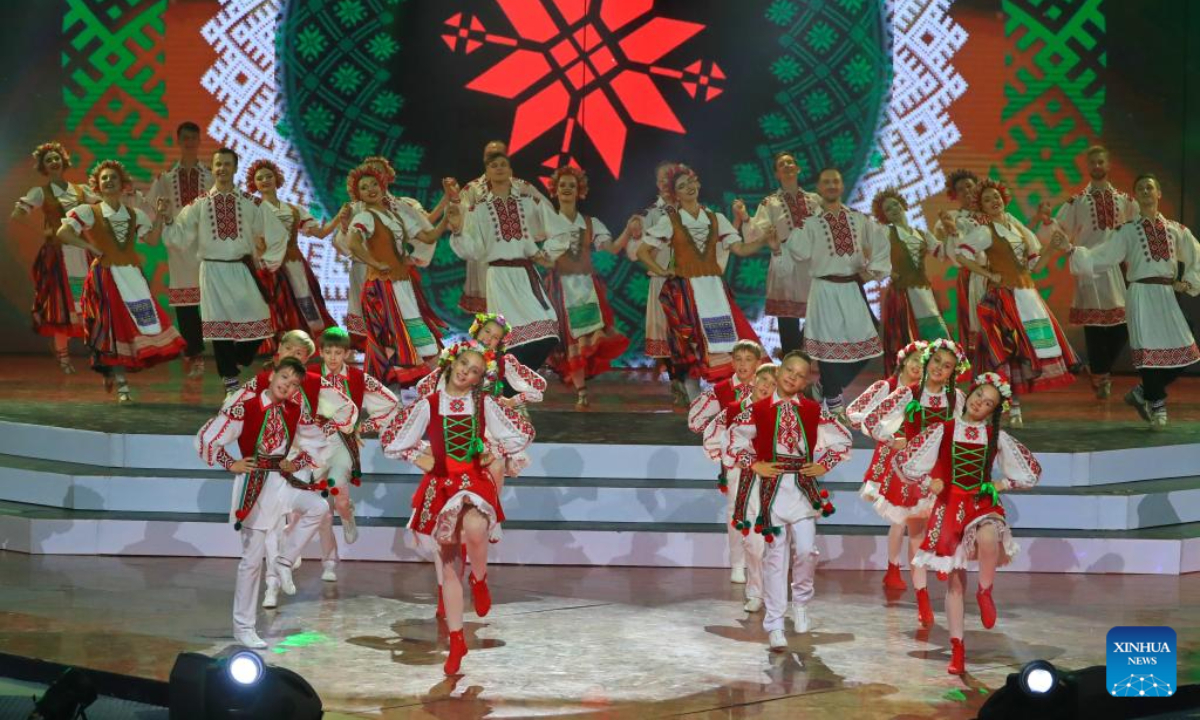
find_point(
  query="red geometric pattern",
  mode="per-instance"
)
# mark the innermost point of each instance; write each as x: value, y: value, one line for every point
x: 843, y: 352
x: 508, y: 215
x: 183, y: 296
x: 797, y: 209
x: 839, y: 229
x: 1166, y: 357
x: 1104, y: 209
x: 225, y: 330
x: 785, y: 308
x: 532, y: 331
x: 590, y: 64
x: 1156, y: 239
x: 1097, y: 316
x: 226, y: 214
x: 189, y: 185
x: 274, y: 431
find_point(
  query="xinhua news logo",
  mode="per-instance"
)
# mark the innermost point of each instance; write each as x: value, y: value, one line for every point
x: 1141, y: 662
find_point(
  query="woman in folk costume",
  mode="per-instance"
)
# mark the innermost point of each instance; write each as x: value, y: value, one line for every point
x: 969, y: 287
x: 1162, y: 257
x: 703, y: 319
x: 457, y: 502
x: 1019, y: 336
x: 298, y: 301
x: 903, y: 415
x: 953, y: 462
x: 745, y: 549
x: 504, y: 228
x: 125, y: 327
x: 788, y: 280
x: 787, y: 441
x: 585, y: 321
x: 909, y: 309
x: 403, y: 340
x: 58, y: 272
x: 909, y: 368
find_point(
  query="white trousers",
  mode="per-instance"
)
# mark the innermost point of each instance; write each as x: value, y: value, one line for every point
x: 311, y: 508
x: 745, y: 550
x: 799, y: 539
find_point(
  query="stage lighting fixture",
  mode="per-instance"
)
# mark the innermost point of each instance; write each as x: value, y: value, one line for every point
x: 238, y: 684
x: 67, y: 698
x: 1038, y: 678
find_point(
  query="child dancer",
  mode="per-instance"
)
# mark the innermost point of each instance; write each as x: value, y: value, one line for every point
x: 716, y: 442
x: 908, y: 372
x: 709, y: 406
x: 900, y: 417
x: 788, y: 442
x: 126, y: 328
x: 457, y: 501
x: 953, y: 461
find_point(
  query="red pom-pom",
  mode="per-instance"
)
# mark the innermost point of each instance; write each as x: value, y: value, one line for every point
x: 824, y: 493
x: 769, y: 538
x: 724, y: 489
x: 745, y: 532
x: 828, y: 507
x: 241, y: 514
x: 356, y: 482
x: 335, y: 491
x: 943, y: 576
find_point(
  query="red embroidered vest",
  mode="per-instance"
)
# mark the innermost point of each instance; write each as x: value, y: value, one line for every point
x: 765, y: 416
x: 962, y: 463
x: 437, y: 433
x: 252, y: 424
x: 926, y: 417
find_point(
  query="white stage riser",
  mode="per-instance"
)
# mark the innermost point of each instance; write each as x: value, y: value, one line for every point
x: 573, y: 460
x: 578, y: 504
x: 580, y: 548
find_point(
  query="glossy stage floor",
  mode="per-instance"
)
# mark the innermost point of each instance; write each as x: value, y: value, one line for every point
x: 612, y: 599
x: 594, y: 642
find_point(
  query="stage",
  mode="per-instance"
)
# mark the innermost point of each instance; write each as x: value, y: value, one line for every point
x: 613, y: 642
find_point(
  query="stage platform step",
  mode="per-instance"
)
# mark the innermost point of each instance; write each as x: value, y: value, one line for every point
x: 56, y: 531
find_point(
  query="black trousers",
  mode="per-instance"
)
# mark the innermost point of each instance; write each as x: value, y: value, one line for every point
x: 188, y: 319
x: 1156, y: 380
x: 1104, y: 344
x: 791, y: 336
x: 532, y: 355
x: 233, y: 355
x: 837, y: 376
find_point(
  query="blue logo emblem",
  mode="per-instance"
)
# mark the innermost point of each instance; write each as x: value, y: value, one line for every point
x: 1141, y: 661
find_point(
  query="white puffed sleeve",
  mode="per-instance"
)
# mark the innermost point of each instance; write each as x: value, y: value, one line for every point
x: 916, y: 460
x: 1020, y: 468
x: 403, y: 437
x: 833, y: 442
x: 857, y: 411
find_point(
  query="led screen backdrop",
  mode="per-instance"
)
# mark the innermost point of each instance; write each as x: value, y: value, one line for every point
x: 894, y: 92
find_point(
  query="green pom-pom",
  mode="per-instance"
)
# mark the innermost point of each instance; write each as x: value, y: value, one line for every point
x: 816, y: 506
x: 331, y: 482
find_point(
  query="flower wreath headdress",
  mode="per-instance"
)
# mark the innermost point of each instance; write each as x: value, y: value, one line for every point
x: 909, y: 349
x: 491, y: 368
x: 999, y: 382
x: 961, y: 365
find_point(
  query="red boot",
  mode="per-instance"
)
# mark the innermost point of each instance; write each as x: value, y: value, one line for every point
x: 924, y: 609
x: 481, y: 595
x: 892, y: 579
x: 441, y: 609
x: 458, y: 649
x: 958, y: 657
x: 987, y: 608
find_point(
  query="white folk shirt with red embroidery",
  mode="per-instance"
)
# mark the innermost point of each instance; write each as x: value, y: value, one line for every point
x: 832, y: 446
x: 1019, y: 468
x: 866, y: 248
x: 478, y: 188
x: 308, y: 447
x: 224, y: 226
x: 857, y: 411
x: 788, y: 280
x: 497, y: 229
x: 180, y: 186
x: 1089, y: 218
x: 507, y: 432
x: 81, y: 218
x: 1159, y: 336
x: 706, y: 407
x: 379, y: 403
x: 884, y: 421
x: 528, y: 384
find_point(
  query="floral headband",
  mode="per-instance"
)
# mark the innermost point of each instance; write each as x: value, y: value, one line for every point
x: 909, y: 349
x: 491, y: 367
x: 997, y: 381
x: 961, y: 365
x: 482, y: 319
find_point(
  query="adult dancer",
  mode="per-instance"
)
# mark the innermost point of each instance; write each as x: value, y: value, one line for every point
x: 1162, y: 258
x: 1089, y: 218
x: 954, y: 460
x: 788, y: 280
x: 185, y: 181
x: 703, y: 320
x: 504, y: 229
x: 845, y: 248
x: 788, y: 442
x: 222, y: 227
x: 277, y: 435
x: 457, y: 502
x: 909, y: 308
x: 1019, y: 337
x: 58, y: 272
x: 590, y: 342
x: 969, y: 287
x: 298, y: 301
x: 126, y: 329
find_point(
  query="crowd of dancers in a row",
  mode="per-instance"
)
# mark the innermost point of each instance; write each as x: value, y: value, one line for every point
x: 297, y: 429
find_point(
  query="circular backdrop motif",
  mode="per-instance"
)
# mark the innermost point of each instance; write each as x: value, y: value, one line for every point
x: 814, y: 80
